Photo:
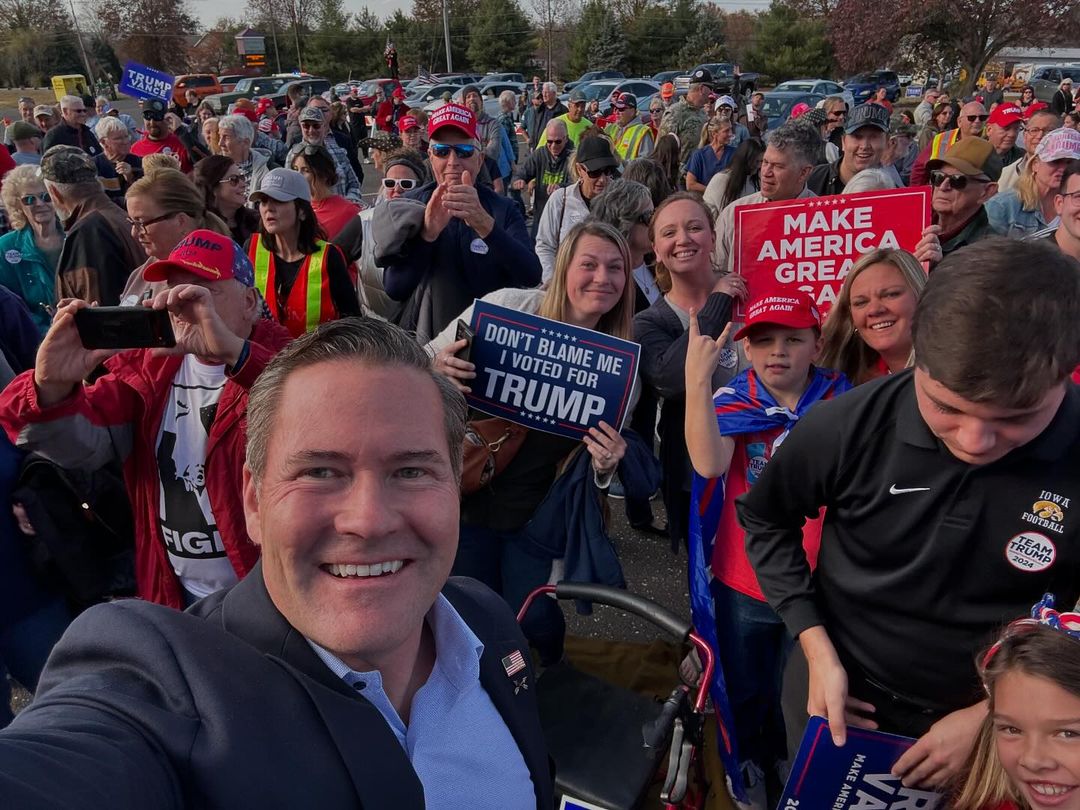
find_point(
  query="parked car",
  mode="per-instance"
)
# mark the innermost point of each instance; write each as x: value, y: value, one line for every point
x: 864, y: 85
x: 592, y: 76
x: 459, y: 78
x: 204, y: 84
x: 502, y: 77
x: 228, y: 82
x: 1047, y: 78
x: 818, y: 87
x: 250, y: 87
x: 428, y: 92
x: 667, y: 76
x: 723, y: 74
x: 312, y: 86
x: 604, y: 90
x: 369, y: 89
x: 778, y: 104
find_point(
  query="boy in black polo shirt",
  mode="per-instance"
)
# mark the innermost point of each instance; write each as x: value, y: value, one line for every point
x: 948, y: 492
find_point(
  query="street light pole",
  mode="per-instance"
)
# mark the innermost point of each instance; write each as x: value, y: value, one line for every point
x: 446, y: 36
x: 296, y: 33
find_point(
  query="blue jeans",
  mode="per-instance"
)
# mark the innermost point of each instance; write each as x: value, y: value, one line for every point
x: 754, y: 648
x: 24, y: 648
x: 506, y: 563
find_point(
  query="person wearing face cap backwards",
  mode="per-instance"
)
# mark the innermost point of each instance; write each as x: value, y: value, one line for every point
x: 452, y: 240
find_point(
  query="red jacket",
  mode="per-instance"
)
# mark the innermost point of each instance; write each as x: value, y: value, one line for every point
x: 133, y: 395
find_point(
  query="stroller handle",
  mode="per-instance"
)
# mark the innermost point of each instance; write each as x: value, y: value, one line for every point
x: 617, y: 598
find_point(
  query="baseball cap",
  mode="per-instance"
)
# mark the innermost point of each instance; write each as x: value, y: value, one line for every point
x: 867, y: 115
x: 311, y: 114
x: 68, y: 164
x: 21, y: 131
x: 800, y: 109
x: 408, y: 122
x: 153, y: 109
x: 282, y: 185
x: 206, y: 254
x: 43, y: 109
x: 1060, y: 144
x: 398, y: 93
x: 1005, y: 115
x: 701, y: 76
x: 1034, y: 107
x: 454, y: 116
x: 793, y: 309
x: 625, y: 101
x: 470, y: 88
x: 577, y: 96
x: 667, y: 90
x: 815, y: 116
x: 899, y: 126
x: 972, y: 156
x: 595, y: 153
x: 725, y: 101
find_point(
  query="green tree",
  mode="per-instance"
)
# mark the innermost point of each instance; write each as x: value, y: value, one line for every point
x: 501, y: 36
x: 609, y: 49
x: 145, y: 32
x: 37, y: 40
x: 586, y: 30
x: 706, y: 40
x: 789, y: 45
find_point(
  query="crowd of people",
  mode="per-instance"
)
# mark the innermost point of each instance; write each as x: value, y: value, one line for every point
x: 872, y: 495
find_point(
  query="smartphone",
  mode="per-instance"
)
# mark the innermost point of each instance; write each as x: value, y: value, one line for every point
x: 124, y: 328
x: 464, y: 333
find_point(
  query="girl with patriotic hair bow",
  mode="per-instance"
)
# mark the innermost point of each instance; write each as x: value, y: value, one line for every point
x: 1027, y: 754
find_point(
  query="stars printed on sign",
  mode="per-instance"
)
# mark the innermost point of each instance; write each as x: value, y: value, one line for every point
x: 824, y: 202
x: 536, y: 418
x: 558, y: 334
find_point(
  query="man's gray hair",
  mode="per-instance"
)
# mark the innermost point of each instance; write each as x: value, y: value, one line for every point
x: 363, y: 340
x: 107, y: 125
x: 75, y: 192
x: 558, y: 124
x: 100, y: 100
x: 508, y: 99
x: 238, y: 125
x: 621, y: 205
x: 550, y: 87
x: 870, y: 180
x: 798, y: 138
x: 67, y: 101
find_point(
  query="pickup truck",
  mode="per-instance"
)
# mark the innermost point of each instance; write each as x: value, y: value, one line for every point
x: 723, y: 74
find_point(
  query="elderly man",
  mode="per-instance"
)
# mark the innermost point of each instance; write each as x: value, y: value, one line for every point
x: 116, y: 166
x: 631, y: 138
x: 176, y: 420
x: 235, y: 134
x: 548, y: 166
x: 549, y: 109
x: 687, y: 117
x: 969, y: 124
x: 924, y: 110
x: 1040, y: 123
x: 451, y: 241
x: 964, y: 178
x: 100, y: 250
x: 26, y: 141
x: 370, y: 679
x: 866, y: 138
x: 158, y: 138
x: 72, y: 129
x: 789, y: 157
x: 315, y: 131
x: 577, y: 125
x: 1002, y: 129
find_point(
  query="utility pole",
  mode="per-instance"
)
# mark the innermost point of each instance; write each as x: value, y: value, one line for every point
x: 446, y: 36
x: 273, y: 32
x: 296, y: 33
x: 82, y: 47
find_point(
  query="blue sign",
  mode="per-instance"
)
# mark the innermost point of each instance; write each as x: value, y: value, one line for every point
x: 548, y: 375
x: 139, y: 81
x: 914, y: 91
x: 855, y: 776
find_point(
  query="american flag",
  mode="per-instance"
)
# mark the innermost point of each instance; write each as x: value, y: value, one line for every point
x: 513, y: 663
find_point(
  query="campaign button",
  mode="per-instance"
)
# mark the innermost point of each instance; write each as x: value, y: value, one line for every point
x: 1030, y: 551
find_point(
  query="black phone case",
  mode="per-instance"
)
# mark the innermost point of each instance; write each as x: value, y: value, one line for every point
x: 124, y: 328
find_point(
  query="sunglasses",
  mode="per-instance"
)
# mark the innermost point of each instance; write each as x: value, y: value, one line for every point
x: 971, y: 119
x: 556, y: 141
x: 405, y: 183
x: 233, y: 180
x: 596, y: 174
x: 443, y: 150
x: 153, y: 116
x: 956, y: 181
x: 141, y: 225
x: 838, y: 114
x: 31, y: 199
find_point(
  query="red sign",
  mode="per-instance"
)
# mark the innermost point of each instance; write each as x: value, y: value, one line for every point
x: 810, y: 244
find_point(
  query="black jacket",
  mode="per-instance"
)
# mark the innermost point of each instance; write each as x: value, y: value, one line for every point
x: 79, y: 136
x: 228, y: 706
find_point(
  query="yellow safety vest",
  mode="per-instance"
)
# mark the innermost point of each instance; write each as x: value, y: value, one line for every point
x: 940, y: 144
x: 316, y: 294
x: 628, y: 142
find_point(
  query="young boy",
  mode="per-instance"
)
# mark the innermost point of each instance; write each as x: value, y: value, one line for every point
x: 731, y: 438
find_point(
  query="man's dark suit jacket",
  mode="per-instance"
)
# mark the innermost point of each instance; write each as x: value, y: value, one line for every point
x: 227, y: 706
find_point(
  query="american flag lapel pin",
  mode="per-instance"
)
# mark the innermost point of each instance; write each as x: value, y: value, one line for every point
x: 513, y: 663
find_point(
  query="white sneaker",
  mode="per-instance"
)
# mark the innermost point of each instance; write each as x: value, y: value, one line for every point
x: 754, y: 783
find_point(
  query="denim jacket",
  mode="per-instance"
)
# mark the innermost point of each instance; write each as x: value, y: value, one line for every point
x: 1009, y: 217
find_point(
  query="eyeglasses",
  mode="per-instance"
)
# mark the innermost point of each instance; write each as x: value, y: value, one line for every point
x: 233, y: 180
x: 956, y: 181
x: 1072, y: 197
x: 443, y: 150
x: 596, y: 174
x: 405, y: 183
x: 142, y: 225
x: 971, y: 119
x: 556, y: 141
x: 1034, y: 130
x: 31, y: 199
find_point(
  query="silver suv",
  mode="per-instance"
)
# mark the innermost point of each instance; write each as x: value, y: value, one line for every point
x: 1047, y: 78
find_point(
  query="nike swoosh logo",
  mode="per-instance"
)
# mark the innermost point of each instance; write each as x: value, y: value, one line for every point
x: 895, y: 490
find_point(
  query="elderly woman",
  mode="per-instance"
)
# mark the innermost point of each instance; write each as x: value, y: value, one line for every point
x: 208, y: 133
x: 235, y: 136
x: 868, y: 331
x: 332, y: 210
x: 30, y: 251
x: 116, y: 166
x: 1031, y: 206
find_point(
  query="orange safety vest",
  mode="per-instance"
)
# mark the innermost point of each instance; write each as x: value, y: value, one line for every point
x: 940, y: 144
x: 309, y: 302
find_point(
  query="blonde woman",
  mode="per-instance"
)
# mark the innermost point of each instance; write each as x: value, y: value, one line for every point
x: 867, y: 333
x: 1030, y: 207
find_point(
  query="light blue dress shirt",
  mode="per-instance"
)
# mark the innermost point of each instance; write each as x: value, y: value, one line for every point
x: 456, y: 740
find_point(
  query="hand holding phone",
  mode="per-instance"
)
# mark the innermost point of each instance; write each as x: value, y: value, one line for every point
x: 124, y: 328
x: 63, y: 362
